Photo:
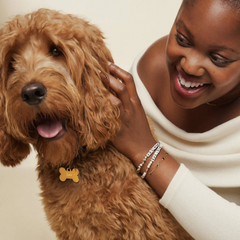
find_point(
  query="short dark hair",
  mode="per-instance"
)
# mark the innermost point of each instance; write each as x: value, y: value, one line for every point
x: 232, y: 3
x: 189, y: 1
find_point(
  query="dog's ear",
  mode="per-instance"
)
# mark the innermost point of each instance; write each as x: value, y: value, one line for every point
x: 12, y: 151
x: 101, y: 117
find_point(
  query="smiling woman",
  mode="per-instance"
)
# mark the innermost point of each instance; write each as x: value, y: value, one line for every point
x: 211, y: 61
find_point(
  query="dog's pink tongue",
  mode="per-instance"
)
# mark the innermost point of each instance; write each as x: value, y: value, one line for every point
x: 49, y: 129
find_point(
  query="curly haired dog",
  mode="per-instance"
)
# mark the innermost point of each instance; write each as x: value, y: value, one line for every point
x: 51, y: 97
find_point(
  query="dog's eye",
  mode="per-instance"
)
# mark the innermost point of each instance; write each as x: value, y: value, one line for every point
x: 55, y: 52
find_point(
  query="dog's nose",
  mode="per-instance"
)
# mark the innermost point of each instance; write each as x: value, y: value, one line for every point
x: 33, y: 93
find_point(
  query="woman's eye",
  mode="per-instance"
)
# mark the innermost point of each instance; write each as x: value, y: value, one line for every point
x: 55, y: 52
x: 220, y: 61
x: 182, y: 41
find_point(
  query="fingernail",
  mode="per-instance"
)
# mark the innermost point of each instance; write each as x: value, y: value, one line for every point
x: 109, y: 63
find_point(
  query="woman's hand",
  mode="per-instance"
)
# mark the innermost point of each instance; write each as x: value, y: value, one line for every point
x: 134, y: 139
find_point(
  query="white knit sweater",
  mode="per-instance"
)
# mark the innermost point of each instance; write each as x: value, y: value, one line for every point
x: 204, y: 195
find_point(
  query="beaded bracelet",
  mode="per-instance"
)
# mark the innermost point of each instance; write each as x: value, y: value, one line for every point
x: 152, y: 161
x: 147, y: 156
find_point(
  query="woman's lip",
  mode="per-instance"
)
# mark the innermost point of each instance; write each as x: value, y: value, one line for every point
x: 188, y: 92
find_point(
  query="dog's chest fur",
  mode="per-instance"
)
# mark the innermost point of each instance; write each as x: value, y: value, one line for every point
x: 109, y: 202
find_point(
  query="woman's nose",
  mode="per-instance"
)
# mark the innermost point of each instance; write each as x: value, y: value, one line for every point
x: 192, y: 65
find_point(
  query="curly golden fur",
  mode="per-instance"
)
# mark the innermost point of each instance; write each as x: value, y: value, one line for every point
x: 60, y: 56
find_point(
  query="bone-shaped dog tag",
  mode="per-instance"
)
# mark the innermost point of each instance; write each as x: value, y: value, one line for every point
x: 68, y: 174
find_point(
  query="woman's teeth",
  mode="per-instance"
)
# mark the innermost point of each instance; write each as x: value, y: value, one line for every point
x: 188, y: 84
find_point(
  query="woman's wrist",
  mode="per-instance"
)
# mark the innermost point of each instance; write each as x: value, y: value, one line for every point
x: 160, y: 179
x: 161, y: 171
x: 141, y: 151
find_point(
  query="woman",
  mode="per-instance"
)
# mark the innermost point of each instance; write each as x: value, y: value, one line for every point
x: 189, y: 85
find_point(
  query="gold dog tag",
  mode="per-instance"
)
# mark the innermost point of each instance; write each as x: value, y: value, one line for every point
x: 68, y: 174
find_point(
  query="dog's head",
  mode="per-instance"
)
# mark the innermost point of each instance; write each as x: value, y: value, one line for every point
x: 51, y: 94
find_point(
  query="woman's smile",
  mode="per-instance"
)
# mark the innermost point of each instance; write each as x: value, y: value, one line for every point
x: 188, y: 88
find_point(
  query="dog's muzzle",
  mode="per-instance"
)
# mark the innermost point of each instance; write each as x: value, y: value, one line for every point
x: 33, y: 93
x: 52, y: 129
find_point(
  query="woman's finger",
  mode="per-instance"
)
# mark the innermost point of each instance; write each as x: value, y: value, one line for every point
x: 119, y: 88
x: 116, y: 101
x: 124, y: 76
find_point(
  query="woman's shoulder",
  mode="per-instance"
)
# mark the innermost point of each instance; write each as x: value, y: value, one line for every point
x: 152, y: 66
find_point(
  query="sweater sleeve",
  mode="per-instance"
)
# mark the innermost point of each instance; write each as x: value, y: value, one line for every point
x: 204, y: 214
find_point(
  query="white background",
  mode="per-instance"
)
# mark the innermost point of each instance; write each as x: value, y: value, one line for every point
x: 129, y: 26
